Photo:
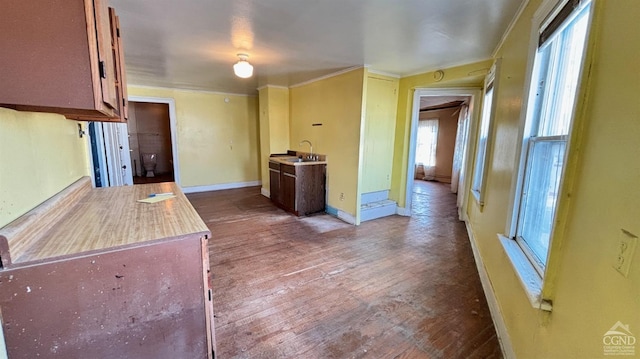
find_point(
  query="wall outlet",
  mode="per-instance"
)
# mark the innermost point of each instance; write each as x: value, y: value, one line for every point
x: 625, y: 249
x: 342, y: 196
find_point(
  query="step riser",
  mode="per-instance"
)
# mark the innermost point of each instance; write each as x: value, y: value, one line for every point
x: 373, y: 197
x: 369, y: 214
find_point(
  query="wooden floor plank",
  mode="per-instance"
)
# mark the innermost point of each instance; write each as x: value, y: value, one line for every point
x: 316, y: 287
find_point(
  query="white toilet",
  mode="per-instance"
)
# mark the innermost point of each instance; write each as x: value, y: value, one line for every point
x: 149, y: 163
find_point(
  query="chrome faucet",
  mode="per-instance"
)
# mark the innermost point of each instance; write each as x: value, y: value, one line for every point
x: 310, y: 148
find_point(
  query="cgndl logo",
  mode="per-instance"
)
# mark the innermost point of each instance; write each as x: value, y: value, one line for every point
x: 619, y: 340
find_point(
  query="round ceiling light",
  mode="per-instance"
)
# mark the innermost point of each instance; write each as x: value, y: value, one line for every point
x: 243, y: 68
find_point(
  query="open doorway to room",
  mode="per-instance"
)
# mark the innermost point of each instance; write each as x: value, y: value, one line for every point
x: 439, y: 147
x: 151, y: 141
x: 118, y: 149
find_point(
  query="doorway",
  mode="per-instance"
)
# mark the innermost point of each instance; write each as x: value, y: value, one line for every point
x: 112, y: 161
x: 150, y: 142
x: 441, y: 127
x: 152, y: 139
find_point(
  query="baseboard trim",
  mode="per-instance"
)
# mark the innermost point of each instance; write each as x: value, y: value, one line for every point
x: 219, y: 187
x: 492, y: 301
x: 402, y: 211
x: 265, y: 192
x: 342, y: 215
x: 347, y: 217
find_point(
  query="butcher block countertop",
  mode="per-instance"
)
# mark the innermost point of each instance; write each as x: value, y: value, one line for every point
x: 107, y: 218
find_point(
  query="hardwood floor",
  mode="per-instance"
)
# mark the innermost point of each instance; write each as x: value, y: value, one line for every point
x: 316, y: 287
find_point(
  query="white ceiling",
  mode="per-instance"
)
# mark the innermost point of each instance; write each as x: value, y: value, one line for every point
x: 192, y: 44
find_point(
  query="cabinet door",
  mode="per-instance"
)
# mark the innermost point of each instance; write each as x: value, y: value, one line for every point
x: 47, y: 54
x: 118, y: 59
x: 105, y: 45
x: 288, y: 191
x: 101, y: 305
x: 60, y: 59
x: 274, y: 185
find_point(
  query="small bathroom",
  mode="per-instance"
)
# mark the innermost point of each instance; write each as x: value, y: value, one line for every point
x: 150, y: 142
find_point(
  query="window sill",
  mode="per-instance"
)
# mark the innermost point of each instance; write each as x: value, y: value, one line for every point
x: 529, y: 277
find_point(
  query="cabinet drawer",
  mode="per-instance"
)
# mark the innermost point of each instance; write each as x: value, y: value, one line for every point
x: 274, y: 166
x: 288, y: 169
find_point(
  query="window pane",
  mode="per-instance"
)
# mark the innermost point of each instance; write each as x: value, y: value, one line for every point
x: 563, y: 58
x: 542, y: 181
x: 482, y: 141
x: 427, y: 142
x: 556, y: 76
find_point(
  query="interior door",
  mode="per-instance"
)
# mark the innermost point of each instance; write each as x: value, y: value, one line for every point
x: 379, y: 134
x: 110, y: 154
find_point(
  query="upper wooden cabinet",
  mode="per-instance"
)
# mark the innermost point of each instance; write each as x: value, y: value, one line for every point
x: 120, y: 75
x: 62, y: 56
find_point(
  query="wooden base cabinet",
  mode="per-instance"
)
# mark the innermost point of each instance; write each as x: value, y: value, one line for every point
x: 141, y: 302
x: 93, y: 273
x: 299, y: 189
x: 62, y: 57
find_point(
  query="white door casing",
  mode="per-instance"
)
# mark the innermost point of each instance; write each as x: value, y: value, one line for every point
x: 113, y: 154
x: 173, y: 124
x: 474, y: 94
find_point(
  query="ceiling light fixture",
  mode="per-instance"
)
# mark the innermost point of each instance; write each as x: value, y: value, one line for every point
x: 243, y: 68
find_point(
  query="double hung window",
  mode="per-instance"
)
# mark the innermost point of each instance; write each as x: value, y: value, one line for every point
x: 482, y: 148
x: 554, y: 84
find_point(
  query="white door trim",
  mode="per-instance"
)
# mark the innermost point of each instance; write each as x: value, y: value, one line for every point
x: 112, y: 153
x: 474, y: 93
x: 100, y: 153
x: 174, y: 128
x: 116, y: 141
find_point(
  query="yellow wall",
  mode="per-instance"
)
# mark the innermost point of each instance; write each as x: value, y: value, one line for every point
x: 218, y: 141
x: 279, y: 119
x: 588, y: 295
x: 471, y: 75
x: 40, y: 155
x: 336, y: 103
x: 378, y: 134
x: 274, y: 126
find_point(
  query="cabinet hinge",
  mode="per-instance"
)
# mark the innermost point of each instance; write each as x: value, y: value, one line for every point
x: 124, y: 103
x: 103, y: 69
x: 118, y: 32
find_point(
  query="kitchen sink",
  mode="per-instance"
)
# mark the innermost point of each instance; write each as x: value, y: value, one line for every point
x: 297, y: 159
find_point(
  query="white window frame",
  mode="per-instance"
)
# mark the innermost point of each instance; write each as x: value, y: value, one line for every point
x: 480, y: 167
x: 526, y: 266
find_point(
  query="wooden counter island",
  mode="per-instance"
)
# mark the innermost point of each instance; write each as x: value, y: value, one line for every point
x: 92, y: 273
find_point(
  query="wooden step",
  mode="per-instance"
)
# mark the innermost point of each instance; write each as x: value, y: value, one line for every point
x: 378, y: 209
